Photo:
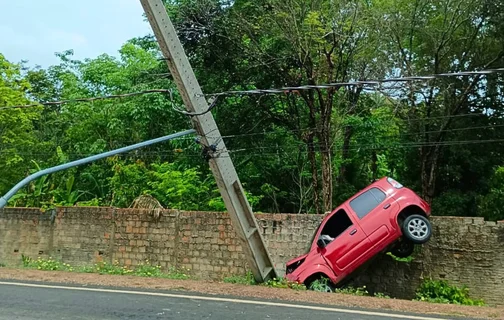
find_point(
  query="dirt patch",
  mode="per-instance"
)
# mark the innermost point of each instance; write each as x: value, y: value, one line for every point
x: 217, y: 288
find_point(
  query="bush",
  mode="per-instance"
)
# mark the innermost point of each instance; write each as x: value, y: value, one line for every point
x: 440, y: 291
x: 45, y: 264
x: 284, y: 283
x: 247, y: 279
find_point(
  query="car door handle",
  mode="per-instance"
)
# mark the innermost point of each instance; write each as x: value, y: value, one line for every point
x: 354, y: 231
x: 386, y: 206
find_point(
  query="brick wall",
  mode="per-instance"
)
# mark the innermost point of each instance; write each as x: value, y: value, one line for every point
x: 465, y: 251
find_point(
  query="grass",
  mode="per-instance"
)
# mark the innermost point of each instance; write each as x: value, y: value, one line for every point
x: 440, y: 291
x: 430, y: 291
x: 248, y: 279
x: 142, y: 270
x: 407, y: 259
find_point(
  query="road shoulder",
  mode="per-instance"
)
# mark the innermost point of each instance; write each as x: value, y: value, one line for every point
x: 216, y: 289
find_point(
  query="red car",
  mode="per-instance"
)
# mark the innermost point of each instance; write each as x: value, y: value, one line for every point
x: 383, y: 217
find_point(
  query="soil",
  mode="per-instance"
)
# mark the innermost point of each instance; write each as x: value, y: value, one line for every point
x: 262, y: 292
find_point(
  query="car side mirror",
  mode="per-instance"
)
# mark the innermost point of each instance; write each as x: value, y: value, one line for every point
x: 321, y: 243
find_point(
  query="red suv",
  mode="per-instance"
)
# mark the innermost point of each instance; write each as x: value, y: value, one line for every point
x: 383, y: 217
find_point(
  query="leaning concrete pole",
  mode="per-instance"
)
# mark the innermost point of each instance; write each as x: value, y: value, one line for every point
x: 239, y: 209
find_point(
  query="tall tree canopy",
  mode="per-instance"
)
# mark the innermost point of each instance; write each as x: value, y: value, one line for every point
x: 299, y: 151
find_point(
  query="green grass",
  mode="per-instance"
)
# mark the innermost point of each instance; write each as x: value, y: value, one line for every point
x: 407, y: 259
x: 440, y: 291
x: 142, y: 270
x: 430, y: 291
x: 246, y: 279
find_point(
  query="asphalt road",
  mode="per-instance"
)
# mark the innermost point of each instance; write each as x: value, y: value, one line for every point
x: 30, y: 301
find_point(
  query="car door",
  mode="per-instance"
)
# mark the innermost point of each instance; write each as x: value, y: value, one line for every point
x: 349, y: 243
x: 373, y: 210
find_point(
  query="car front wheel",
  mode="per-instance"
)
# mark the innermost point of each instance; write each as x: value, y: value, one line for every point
x: 321, y: 284
x: 417, y: 229
x: 403, y: 249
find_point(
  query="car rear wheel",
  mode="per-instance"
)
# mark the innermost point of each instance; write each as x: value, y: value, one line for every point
x: 417, y: 229
x: 403, y: 249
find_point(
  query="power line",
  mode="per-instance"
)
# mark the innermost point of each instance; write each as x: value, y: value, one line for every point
x: 375, y: 146
x: 357, y: 126
x: 113, y: 96
x: 361, y: 83
x: 361, y: 146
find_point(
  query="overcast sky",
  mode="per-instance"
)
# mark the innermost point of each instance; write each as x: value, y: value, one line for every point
x: 35, y: 29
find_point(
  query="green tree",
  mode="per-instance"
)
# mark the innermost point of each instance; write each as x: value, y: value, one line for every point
x: 17, y: 136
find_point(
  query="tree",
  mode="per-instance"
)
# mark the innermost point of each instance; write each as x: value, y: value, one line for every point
x: 438, y: 36
x: 17, y: 137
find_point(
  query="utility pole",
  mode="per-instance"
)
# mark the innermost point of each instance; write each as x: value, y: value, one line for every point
x: 237, y: 205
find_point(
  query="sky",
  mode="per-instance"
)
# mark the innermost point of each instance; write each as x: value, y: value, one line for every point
x: 34, y: 30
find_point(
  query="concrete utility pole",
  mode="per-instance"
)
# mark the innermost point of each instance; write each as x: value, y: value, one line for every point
x: 239, y: 209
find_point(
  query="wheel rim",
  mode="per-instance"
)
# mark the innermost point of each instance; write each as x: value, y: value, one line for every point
x: 321, y: 287
x: 403, y: 248
x: 418, y: 229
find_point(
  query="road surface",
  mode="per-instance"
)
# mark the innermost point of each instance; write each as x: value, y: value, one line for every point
x: 41, y: 301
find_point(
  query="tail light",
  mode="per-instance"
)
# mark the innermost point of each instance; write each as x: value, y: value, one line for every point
x: 394, y: 183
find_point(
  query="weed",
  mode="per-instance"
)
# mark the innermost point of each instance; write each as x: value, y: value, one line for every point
x: 176, y: 274
x: 142, y: 270
x: 246, y: 279
x: 441, y: 291
x: 2, y: 265
x: 147, y: 270
x: 284, y: 283
x: 407, y: 259
x: 111, y: 268
x: 381, y: 295
x: 359, y: 291
x: 45, y: 264
x: 320, y: 285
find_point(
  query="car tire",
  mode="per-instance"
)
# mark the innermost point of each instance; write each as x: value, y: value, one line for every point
x: 403, y: 249
x: 417, y: 229
x: 321, y: 284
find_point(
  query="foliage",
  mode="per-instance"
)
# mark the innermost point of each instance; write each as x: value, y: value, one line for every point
x: 299, y: 152
x: 359, y: 291
x: 407, y: 259
x: 247, y: 279
x: 145, y: 269
x: 284, y: 283
x: 440, y: 291
x: 491, y: 205
x: 45, y: 264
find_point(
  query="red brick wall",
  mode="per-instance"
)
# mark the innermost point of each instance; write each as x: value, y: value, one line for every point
x: 466, y: 251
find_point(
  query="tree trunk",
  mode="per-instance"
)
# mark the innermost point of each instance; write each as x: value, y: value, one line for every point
x: 325, y: 155
x: 345, y: 154
x: 314, y: 171
x: 430, y: 157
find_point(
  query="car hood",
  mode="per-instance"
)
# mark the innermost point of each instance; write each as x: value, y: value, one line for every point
x: 296, y: 259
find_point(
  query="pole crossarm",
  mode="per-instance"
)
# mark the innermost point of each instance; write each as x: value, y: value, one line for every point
x: 203, y: 121
x: 38, y: 174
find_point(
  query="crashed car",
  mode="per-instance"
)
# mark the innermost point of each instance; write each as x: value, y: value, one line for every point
x: 384, y: 217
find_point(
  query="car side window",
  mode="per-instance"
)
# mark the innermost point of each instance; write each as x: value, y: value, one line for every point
x: 367, y: 201
x: 336, y: 224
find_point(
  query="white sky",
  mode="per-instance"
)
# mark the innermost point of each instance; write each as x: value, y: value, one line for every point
x: 34, y: 30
